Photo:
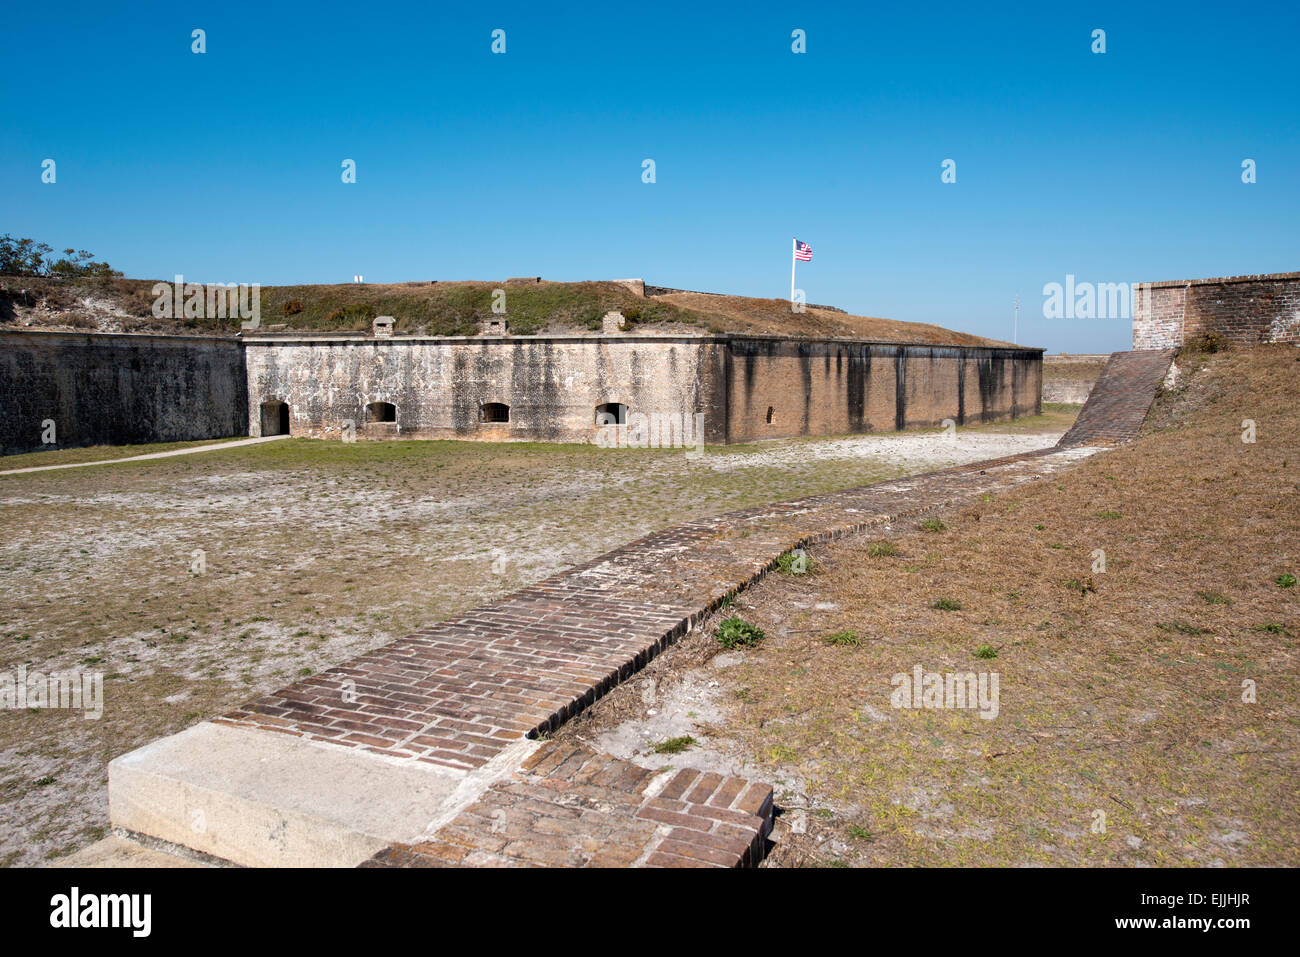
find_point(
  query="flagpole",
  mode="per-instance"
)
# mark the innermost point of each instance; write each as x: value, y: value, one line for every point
x: 793, y: 240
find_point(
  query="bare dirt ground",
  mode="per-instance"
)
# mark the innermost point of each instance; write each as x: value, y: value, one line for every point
x: 313, y: 552
x: 1148, y: 714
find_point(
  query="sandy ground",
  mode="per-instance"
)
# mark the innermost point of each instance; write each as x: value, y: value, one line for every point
x: 313, y: 552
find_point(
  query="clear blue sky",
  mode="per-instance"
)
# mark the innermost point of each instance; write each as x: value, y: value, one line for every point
x: 1124, y: 166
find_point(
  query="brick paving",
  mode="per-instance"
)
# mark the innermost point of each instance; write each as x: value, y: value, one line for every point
x: 457, y: 694
x: 571, y: 807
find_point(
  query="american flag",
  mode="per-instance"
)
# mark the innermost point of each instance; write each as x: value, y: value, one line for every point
x: 802, y: 252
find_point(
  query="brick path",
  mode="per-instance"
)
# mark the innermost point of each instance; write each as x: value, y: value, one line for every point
x: 459, y: 693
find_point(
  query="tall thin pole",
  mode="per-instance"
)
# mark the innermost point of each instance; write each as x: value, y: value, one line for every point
x: 793, y: 240
x: 1015, y: 335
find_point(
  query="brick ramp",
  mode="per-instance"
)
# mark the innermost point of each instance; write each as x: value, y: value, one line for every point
x: 461, y: 697
x: 1122, y: 397
x: 571, y: 807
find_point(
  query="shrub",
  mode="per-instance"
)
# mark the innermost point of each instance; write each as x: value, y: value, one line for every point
x: 933, y: 525
x: 881, y: 549
x: 946, y: 604
x: 986, y: 651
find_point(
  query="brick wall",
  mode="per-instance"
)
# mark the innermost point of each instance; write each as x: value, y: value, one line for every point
x: 1242, y: 309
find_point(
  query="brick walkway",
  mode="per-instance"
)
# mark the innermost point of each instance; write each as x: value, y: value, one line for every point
x: 459, y: 693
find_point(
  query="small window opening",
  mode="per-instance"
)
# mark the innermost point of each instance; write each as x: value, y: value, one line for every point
x: 771, y: 414
x: 611, y: 413
x: 381, y: 412
x: 496, y: 412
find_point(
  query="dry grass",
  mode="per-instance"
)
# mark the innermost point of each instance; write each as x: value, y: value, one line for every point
x: 1120, y: 692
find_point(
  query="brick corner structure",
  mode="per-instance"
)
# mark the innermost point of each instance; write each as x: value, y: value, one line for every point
x: 1248, y: 310
x: 571, y: 807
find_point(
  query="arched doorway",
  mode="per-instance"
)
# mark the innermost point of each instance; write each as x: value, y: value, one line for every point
x: 275, y: 417
x: 381, y: 412
x: 496, y: 412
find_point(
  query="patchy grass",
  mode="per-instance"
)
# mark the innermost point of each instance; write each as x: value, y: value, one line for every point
x: 674, y: 745
x: 844, y: 639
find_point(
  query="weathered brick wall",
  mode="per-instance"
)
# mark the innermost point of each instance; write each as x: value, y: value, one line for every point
x: 1242, y: 309
x: 553, y: 384
x: 830, y: 387
x: 107, y: 389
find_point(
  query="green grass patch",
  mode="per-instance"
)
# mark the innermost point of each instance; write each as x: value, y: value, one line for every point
x: 674, y: 745
x: 736, y: 632
x: 845, y: 639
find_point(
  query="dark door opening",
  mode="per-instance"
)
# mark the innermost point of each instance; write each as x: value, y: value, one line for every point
x: 611, y: 413
x: 496, y: 412
x: 275, y: 418
x: 381, y: 412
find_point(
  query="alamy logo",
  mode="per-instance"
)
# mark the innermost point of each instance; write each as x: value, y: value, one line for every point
x: 952, y: 691
x: 66, y: 690
x: 654, y: 430
x: 1086, y: 300
x: 75, y: 909
x: 213, y: 300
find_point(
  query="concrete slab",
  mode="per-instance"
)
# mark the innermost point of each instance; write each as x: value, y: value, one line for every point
x: 266, y: 799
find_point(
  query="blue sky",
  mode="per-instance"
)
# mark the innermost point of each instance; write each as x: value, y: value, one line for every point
x: 1115, y: 167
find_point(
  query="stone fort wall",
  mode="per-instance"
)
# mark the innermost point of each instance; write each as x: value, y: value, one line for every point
x: 746, y: 388
x: 1242, y: 309
x: 101, y: 389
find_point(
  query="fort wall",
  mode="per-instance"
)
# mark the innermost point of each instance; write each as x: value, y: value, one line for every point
x: 103, y: 388
x: 745, y: 387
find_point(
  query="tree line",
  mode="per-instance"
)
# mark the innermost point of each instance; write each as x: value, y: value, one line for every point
x: 27, y: 257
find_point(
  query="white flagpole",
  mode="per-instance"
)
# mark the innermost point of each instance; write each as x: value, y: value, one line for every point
x: 793, y: 240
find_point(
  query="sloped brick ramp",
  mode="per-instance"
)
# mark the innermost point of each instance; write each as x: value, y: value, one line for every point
x: 1122, y: 397
x: 451, y: 707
